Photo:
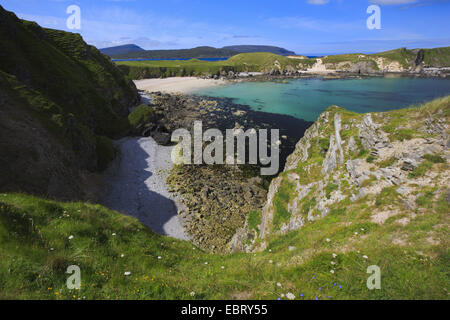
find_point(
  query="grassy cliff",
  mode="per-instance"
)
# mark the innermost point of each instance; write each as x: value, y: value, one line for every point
x: 61, y: 101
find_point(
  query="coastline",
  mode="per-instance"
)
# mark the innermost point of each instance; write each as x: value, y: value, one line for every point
x: 189, y: 85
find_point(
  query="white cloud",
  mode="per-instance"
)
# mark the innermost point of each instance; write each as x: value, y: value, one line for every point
x: 392, y: 2
x: 318, y: 2
x: 316, y: 24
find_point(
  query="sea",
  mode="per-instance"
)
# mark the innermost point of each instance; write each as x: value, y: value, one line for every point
x: 307, y: 98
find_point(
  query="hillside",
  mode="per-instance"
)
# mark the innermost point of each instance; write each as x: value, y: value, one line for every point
x: 133, y: 52
x: 198, y: 52
x: 118, y: 50
x: 398, y: 221
x: 61, y: 101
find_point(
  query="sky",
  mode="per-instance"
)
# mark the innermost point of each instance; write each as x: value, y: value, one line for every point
x: 310, y: 27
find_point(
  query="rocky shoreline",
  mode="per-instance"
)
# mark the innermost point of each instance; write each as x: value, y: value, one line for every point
x: 217, y: 198
x: 330, y: 74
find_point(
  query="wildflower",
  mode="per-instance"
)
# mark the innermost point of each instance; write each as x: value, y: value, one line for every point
x: 301, y: 294
x: 278, y: 284
x: 365, y: 257
x: 328, y: 239
x: 127, y: 273
x: 122, y: 255
x: 317, y: 298
x: 114, y: 234
x: 340, y: 287
x: 334, y: 255
x: 70, y: 237
x: 206, y: 262
x: 356, y: 233
x: 270, y: 261
x: 192, y: 294
x: 290, y: 296
x: 333, y: 263
x: 159, y: 257
x: 332, y: 271
x: 278, y: 298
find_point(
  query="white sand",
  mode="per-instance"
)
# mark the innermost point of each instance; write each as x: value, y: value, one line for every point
x: 177, y: 84
x: 136, y: 186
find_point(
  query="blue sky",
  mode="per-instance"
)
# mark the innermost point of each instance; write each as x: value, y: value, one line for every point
x: 304, y: 26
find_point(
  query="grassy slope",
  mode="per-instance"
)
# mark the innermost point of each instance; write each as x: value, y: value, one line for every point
x: 64, y: 69
x: 79, y: 96
x: 35, y: 252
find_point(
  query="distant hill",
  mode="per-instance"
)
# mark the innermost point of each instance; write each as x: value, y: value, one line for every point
x: 198, y: 52
x: 135, y: 52
x: 252, y: 48
x: 117, y: 50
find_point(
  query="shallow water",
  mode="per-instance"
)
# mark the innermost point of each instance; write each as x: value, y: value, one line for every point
x: 307, y: 98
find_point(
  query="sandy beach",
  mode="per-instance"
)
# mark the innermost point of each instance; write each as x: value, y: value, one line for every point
x: 177, y: 84
x: 136, y: 186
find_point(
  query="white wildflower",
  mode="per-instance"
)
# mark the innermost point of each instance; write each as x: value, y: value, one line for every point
x: 290, y: 296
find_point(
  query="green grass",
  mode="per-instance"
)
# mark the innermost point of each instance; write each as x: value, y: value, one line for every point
x: 254, y: 220
x: 330, y: 188
x: 421, y: 169
x: 143, y: 114
x: 281, y: 201
x: 36, y: 251
x: 387, y: 162
x: 434, y: 158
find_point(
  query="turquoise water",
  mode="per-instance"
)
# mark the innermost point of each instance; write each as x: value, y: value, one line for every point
x: 307, y: 98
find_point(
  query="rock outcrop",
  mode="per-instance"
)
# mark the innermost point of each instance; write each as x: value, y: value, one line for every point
x: 385, y: 161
